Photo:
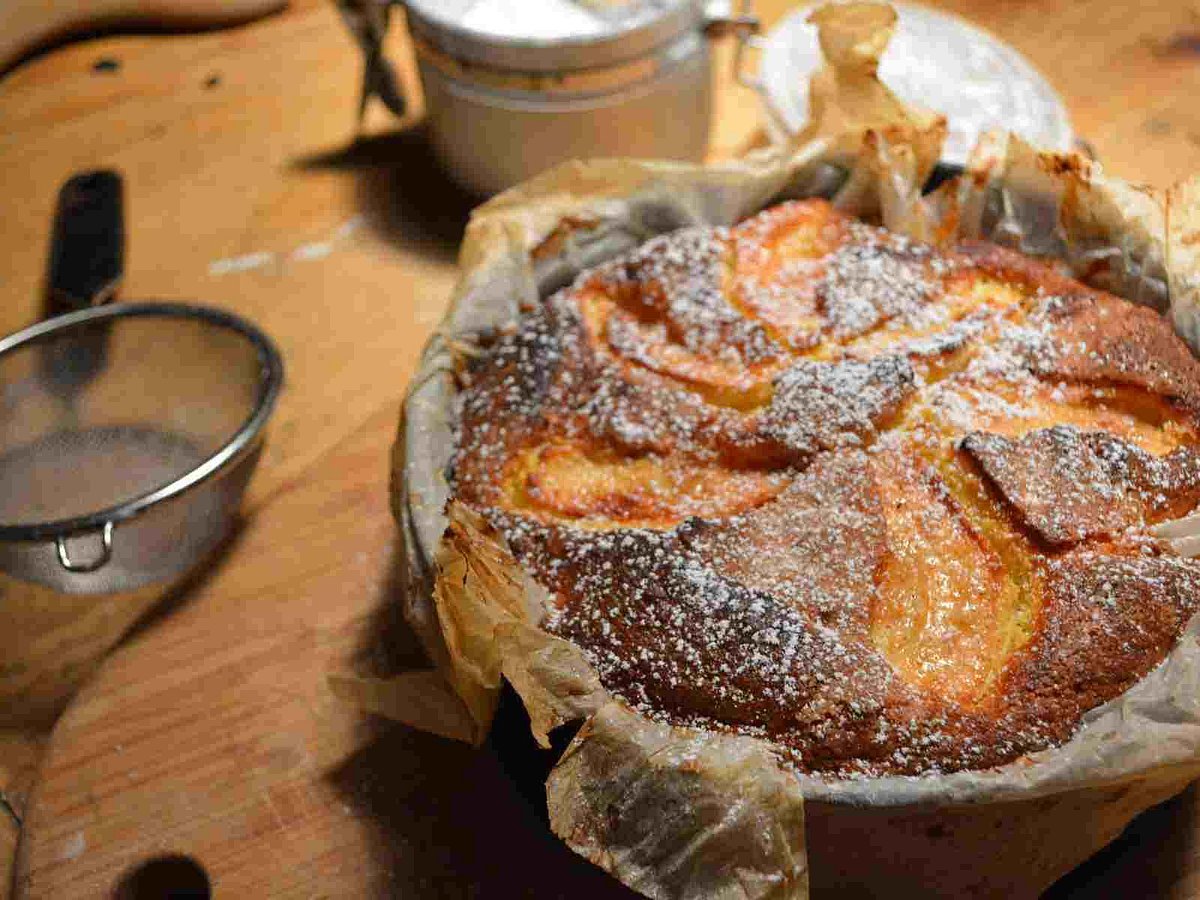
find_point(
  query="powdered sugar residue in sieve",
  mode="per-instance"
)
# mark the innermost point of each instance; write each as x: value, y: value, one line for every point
x: 75, y: 472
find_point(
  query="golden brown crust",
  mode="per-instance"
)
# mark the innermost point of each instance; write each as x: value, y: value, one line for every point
x: 1109, y: 619
x: 1099, y: 338
x: 807, y: 480
x: 1069, y: 485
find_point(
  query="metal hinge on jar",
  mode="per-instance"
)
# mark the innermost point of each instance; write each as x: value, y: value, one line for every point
x: 721, y: 20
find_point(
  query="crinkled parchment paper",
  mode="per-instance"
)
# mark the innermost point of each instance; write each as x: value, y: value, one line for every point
x: 680, y: 813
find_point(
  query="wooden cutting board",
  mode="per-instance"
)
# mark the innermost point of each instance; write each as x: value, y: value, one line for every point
x: 211, y: 733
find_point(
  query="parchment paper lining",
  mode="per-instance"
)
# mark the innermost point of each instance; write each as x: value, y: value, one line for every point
x: 477, y: 612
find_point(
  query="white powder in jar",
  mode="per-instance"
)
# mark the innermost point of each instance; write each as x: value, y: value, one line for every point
x: 536, y: 19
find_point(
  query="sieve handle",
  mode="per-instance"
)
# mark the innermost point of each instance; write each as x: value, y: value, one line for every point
x: 91, y: 565
x: 87, y: 245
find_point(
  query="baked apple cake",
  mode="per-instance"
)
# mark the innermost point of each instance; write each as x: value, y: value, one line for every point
x: 885, y: 505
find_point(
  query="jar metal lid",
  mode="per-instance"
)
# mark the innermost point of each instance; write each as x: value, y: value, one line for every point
x: 569, y: 35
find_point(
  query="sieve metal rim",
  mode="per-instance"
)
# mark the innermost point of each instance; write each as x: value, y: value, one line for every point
x: 269, y: 387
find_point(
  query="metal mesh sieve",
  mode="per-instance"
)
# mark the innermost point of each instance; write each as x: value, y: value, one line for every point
x: 126, y: 436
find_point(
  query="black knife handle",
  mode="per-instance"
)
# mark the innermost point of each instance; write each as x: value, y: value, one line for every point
x: 87, y: 246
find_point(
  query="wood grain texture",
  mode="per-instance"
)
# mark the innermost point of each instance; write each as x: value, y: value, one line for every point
x: 10, y: 835
x: 26, y: 25
x: 211, y: 731
x: 20, y: 753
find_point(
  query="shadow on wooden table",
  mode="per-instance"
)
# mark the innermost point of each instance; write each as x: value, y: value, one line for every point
x: 387, y: 645
x: 447, y: 823
x: 403, y: 191
x: 1147, y: 860
x: 445, y: 820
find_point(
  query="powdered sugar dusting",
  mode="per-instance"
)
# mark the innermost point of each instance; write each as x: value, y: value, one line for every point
x: 762, y: 620
x: 879, y: 277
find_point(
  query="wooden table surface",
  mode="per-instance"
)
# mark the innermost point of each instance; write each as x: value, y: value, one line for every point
x: 210, y: 731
